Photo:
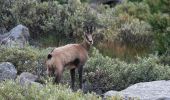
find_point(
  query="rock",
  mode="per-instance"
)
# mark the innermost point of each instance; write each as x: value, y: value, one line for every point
x: 28, y: 79
x: 155, y: 90
x: 18, y: 36
x: 111, y: 93
x: 7, y: 71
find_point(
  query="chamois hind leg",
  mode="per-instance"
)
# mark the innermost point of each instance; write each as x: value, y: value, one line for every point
x: 72, y: 73
x: 80, y: 72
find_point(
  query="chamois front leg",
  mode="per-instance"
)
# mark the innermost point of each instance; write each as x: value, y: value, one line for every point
x: 57, y: 78
x: 58, y: 74
x: 72, y: 73
x: 80, y: 72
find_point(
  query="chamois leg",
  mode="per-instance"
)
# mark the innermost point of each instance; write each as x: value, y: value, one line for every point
x: 72, y: 72
x: 57, y: 78
x: 58, y: 74
x: 80, y: 72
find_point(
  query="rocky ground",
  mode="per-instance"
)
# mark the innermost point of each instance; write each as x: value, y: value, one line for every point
x: 155, y: 90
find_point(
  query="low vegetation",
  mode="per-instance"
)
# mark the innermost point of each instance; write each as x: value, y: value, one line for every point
x: 46, y: 92
x: 28, y: 59
x: 104, y: 73
x: 101, y: 73
x: 135, y: 24
x: 131, y: 43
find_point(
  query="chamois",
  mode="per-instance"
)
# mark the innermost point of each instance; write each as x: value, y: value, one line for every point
x: 70, y: 56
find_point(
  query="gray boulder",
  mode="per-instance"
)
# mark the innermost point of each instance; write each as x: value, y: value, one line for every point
x: 7, y: 71
x: 155, y: 90
x: 18, y: 36
x: 28, y: 79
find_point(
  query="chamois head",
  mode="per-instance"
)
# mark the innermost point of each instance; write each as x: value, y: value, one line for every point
x: 88, y: 30
x: 49, y: 64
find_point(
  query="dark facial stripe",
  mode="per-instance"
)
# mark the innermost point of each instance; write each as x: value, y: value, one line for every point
x: 87, y: 38
x: 52, y: 50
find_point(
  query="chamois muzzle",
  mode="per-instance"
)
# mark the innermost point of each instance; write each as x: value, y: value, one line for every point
x: 91, y: 42
x: 89, y: 38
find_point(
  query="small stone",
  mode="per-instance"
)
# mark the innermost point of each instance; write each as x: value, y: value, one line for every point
x: 28, y: 79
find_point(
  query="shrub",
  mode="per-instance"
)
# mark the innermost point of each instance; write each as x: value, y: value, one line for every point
x: 153, y: 16
x: 126, y: 30
x: 104, y: 73
x: 134, y: 32
x: 25, y: 59
x: 6, y: 17
x: 139, y: 10
x: 127, y: 36
x: 12, y: 90
x: 161, y: 23
x: 158, y: 5
x: 40, y: 18
x: 165, y: 58
x: 62, y: 21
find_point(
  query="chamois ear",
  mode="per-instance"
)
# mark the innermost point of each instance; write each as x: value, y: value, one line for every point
x: 49, y: 56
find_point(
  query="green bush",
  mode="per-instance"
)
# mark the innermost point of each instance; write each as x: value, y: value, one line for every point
x: 153, y: 16
x: 125, y: 28
x: 41, y: 18
x: 158, y: 5
x: 62, y: 21
x: 104, y: 73
x: 133, y: 32
x: 139, y: 10
x: 129, y: 32
x: 59, y: 22
x: 13, y: 91
x: 6, y: 17
x: 165, y: 58
x: 25, y: 59
x: 160, y: 23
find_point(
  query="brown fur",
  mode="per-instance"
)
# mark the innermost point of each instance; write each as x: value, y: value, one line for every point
x: 70, y: 56
x: 65, y: 56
